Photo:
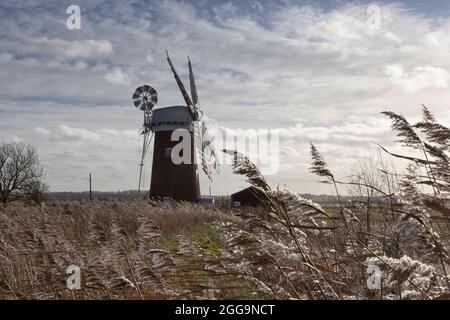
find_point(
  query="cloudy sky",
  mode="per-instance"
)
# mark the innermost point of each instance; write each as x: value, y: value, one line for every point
x: 318, y: 71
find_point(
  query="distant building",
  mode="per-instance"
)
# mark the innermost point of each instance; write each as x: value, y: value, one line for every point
x: 248, y: 197
x: 207, y: 200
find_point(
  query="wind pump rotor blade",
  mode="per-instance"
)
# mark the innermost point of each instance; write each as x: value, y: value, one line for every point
x: 145, y: 98
x: 186, y: 97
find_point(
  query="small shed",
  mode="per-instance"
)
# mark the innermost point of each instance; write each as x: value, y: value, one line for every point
x: 248, y: 197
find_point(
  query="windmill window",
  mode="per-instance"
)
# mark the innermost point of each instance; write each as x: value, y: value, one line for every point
x: 169, y: 152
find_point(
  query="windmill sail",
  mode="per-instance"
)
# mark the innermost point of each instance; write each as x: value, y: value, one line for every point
x: 207, y: 152
x: 186, y: 97
x: 205, y: 146
x: 192, y: 82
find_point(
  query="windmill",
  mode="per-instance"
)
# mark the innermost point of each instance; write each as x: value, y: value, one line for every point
x: 170, y: 180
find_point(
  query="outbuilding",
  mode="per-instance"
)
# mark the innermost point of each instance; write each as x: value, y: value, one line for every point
x: 248, y: 197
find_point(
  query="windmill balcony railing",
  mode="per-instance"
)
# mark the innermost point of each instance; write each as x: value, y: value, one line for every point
x: 169, y: 123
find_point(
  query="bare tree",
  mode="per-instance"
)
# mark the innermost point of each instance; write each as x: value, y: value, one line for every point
x: 20, y: 169
x: 366, y: 181
x: 37, y: 192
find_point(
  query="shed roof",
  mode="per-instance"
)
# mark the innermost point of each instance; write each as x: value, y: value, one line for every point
x: 250, y: 196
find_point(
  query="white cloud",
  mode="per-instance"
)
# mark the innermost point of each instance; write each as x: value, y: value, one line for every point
x: 42, y: 132
x: 117, y: 77
x: 6, y: 57
x: 77, y: 133
x: 150, y: 58
x: 98, y: 136
x: 77, y: 48
x: 419, y: 78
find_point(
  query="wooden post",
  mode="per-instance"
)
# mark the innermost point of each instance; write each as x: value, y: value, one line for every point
x: 90, y: 187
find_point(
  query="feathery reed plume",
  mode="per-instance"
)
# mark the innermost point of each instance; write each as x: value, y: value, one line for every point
x: 408, y: 278
x: 148, y: 233
x: 409, y: 138
x: 319, y: 166
x: 302, y: 210
x: 405, y: 131
x: 416, y: 237
x: 435, y: 132
x: 408, y: 185
x: 243, y: 166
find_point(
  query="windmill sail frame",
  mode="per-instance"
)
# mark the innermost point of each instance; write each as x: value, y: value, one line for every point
x: 206, y: 148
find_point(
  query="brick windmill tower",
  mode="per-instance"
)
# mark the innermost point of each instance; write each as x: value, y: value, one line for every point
x: 170, y: 178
